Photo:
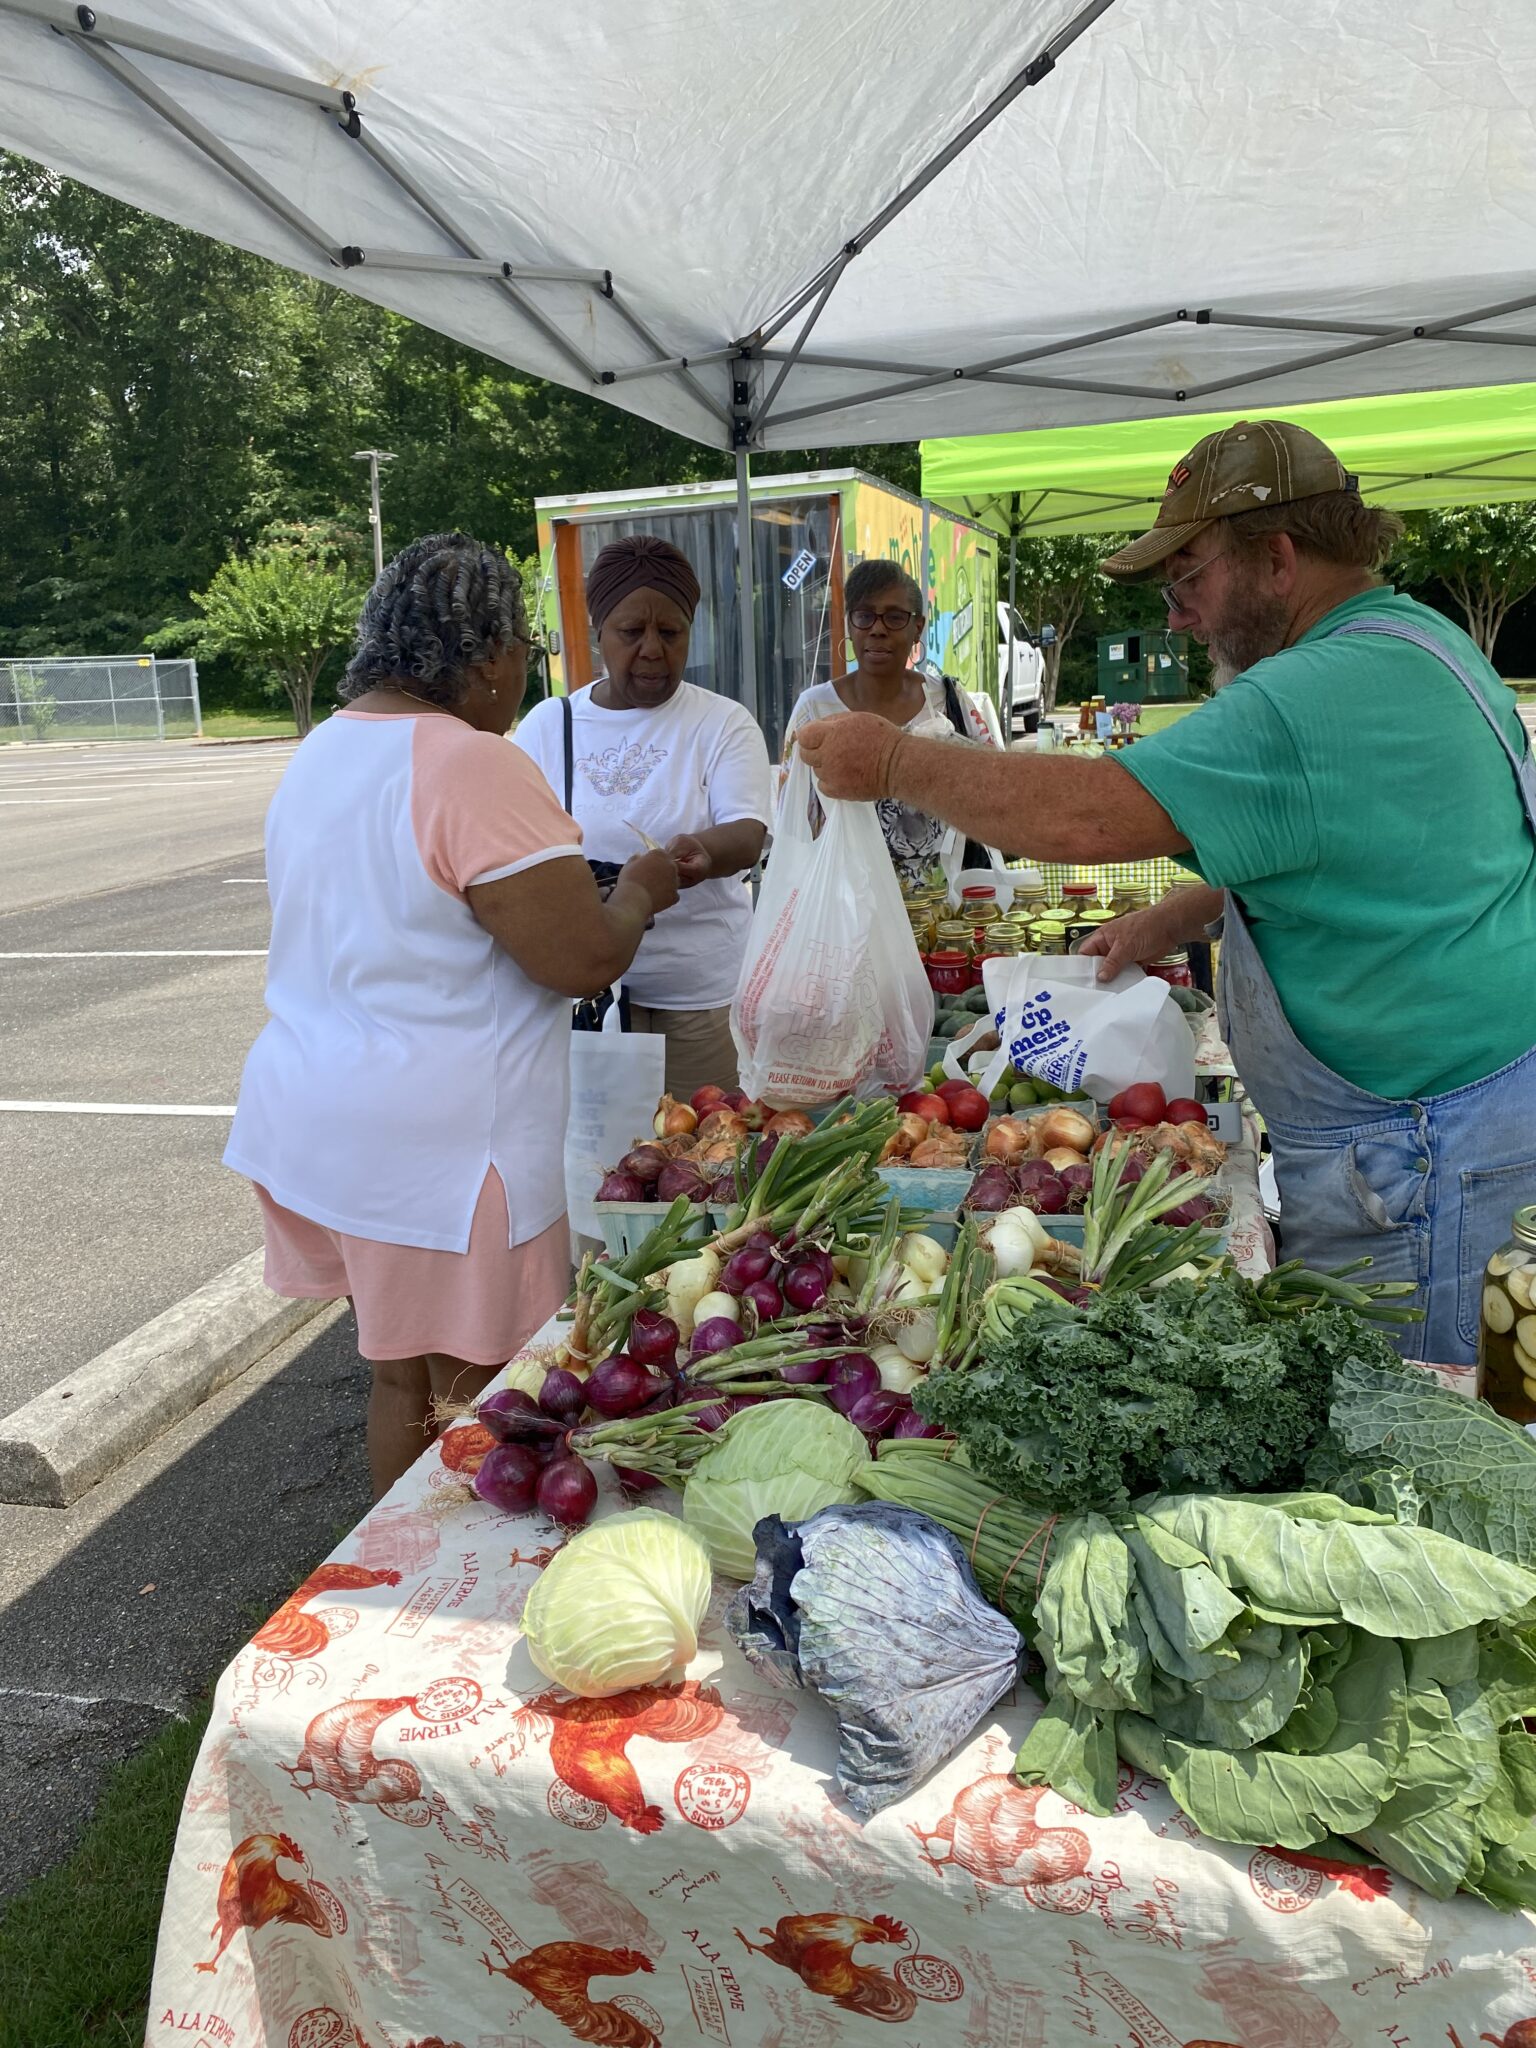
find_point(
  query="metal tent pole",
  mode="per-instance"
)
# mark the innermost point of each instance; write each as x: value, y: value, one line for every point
x: 746, y: 606
x: 922, y: 569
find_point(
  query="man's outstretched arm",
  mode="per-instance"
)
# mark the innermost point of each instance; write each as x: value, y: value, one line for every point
x: 1029, y: 804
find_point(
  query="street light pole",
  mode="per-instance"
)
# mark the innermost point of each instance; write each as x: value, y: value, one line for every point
x: 373, y: 457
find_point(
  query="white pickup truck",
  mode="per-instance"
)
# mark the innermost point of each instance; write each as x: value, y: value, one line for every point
x: 1020, y: 671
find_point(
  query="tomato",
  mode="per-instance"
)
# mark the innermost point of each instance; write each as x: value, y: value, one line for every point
x: 1185, y: 1110
x: 948, y: 1088
x: 1143, y: 1100
x: 933, y: 1108
x: 968, y: 1109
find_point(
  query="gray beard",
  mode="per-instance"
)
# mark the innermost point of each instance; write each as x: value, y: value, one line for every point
x: 1253, y: 629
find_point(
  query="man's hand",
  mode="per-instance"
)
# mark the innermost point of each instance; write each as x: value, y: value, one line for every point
x: 1144, y: 935
x: 695, y: 862
x: 851, y: 755
x: 656, y: 874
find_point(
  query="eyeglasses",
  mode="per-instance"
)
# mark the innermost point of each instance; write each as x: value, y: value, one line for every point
x: 894, y: 621
x: 1169, y: 592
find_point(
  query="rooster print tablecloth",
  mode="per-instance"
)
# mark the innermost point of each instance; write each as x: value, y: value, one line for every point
x: 399, y: 1835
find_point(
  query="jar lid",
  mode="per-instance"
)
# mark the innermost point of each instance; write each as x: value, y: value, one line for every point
x: 1081, y: 890
x: 1525, y: 1224
x: 978, y: 892
x: 945, y: 959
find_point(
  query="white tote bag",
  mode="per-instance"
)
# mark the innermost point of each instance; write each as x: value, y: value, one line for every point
x: 832, y: 999
x: 616, y: 1082
x: 1060, y: 1023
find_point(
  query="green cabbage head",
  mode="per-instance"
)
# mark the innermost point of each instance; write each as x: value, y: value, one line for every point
x: 786, y: 1458
x: 619, y: 1605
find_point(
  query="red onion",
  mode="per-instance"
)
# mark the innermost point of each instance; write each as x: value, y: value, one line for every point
x: 766, y: 1300
x: 513, y: 1417
x: 765, y: 1151
x: 714, y: 1417
x: 1046, y: 1197
x: 991, y: 1190
x: 682, y: 1177
x: 638, y: 1482
x: 620, y: 1187
x: 1132, y: 1165
x: 645, y: 1163
x: 804, y: 1287
x: 751, y: 1262
x: 508, y: 1478
x: 1195, y: 1210
x: 723, y: 1192
x: 653, y: 1340
x: 850, y: 1378
x: 716, y: 1333
x: 807, y: 1374
x: 1030, y: 1172
x: 819, y: 1261
x: 912, y: 1424
x: 562, y: 1395
x: 567, y: 1491
x: 619, y: 1386
x: 876, y: 1411
x: 1077, y: 1180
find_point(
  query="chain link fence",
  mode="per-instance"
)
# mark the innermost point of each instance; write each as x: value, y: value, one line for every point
x: 105, y: 697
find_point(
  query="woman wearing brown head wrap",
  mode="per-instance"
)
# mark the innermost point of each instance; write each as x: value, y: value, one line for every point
x: 642, y: 750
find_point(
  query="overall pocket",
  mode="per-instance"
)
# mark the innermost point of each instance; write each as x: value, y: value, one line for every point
x: 1489, y: 1198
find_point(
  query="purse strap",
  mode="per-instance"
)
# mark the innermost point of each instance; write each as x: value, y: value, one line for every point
x: 568, y: 720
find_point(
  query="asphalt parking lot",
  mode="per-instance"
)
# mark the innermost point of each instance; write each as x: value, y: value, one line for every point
x: 133, y: 928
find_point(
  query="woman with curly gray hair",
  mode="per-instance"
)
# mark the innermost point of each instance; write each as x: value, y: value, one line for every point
x: 402, y: 1115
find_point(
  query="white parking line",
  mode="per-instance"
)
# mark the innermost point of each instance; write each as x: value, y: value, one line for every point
x: 123, y: 1108
x: 245, y: 881
x: 17, y: 800
x: 181, y: 953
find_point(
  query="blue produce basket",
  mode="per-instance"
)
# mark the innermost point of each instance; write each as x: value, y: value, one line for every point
x: 627, y: 1224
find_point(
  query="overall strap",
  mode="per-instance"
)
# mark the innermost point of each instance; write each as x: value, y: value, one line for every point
x: 1523, y: 763
x: 567, y: 719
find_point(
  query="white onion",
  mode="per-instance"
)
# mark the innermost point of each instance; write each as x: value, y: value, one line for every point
x: 1013, y: 1247
x: 898, y: 1373
x: 923, y: 1256
x: 918, y: 1337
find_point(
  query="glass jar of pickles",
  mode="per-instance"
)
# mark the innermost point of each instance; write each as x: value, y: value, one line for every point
x: 1048, y: 935
x: 978, y: 904
x: 1506, y: 1352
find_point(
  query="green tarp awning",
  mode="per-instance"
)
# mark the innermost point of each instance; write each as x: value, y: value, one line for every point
x: 1415, y: 449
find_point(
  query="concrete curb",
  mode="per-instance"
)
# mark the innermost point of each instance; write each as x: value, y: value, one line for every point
x: 75, y: 1433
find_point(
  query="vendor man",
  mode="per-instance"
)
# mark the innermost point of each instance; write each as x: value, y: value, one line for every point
x: 1361, y: 799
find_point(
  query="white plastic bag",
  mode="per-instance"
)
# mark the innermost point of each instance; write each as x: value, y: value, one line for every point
x: 832, y: 999
x: 616, y: 1082
x: 1060, y: 1023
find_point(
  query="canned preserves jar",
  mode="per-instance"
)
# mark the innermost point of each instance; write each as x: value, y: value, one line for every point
x: 1174, y: 969
x: 1506, y: 1352
x: 949, y: 971
x: 978, y: 904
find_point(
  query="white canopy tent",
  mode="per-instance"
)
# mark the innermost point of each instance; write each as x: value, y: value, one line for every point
x: 783, y: 223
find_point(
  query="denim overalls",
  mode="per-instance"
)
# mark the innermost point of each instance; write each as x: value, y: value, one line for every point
x: 1425, y: 1189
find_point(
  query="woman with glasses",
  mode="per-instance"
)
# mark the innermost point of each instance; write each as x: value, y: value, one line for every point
x: 884, y: 607
x: 641, y: 751
x: 402, y: 1115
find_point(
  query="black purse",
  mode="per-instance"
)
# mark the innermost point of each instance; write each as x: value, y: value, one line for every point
x: 588, y: 1012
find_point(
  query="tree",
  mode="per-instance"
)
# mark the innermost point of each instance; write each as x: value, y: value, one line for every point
x: 282, y: 608
x: 1055, y: 578
x: 1483, y: 555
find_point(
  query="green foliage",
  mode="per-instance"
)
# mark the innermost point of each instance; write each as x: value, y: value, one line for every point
x: 38, y: 707
x: 77, y: 1947
x: 168, y: 400
x: 1483, y: 555
x: 1053, y: 580
x: 282, y: 609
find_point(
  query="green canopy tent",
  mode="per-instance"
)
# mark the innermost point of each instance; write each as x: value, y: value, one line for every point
x: 1413, y: 449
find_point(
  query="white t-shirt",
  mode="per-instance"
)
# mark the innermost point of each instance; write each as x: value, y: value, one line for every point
x: 698, y: 760
x: 405, y: 1052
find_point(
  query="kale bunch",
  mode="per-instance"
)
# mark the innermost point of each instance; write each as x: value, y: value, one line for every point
x: 1191, y: 1388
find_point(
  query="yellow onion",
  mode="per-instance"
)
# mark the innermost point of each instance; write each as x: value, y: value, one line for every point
x: 789, y: 1123
x: 1063, y: 1155
x: 673, y: 1119
x: 1007, y: 1140
x: 1066, y: 1127
x: 722, y: 1123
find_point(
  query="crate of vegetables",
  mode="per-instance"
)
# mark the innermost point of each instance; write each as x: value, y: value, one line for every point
x: 930, y: 1154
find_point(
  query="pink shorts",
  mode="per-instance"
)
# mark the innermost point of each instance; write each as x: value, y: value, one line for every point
x: 481, y: 1305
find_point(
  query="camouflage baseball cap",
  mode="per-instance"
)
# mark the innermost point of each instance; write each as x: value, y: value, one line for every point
x: 1238, y: 469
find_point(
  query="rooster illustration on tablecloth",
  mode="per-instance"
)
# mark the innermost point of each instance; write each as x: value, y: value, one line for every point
x: 992, y: 1831
x: 818, y: 1948
x: 558, y: 1974
x: 294, y: 1634
x: 1521, y: 2035
x: 253, y: 1893
x: 338, y: 1757
x: 588, y: 1738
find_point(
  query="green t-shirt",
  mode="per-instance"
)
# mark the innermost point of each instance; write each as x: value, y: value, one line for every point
x: 1353, y: 797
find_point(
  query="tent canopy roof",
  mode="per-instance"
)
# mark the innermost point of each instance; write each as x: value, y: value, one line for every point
x: 1044, y: 213
x: 1427, y: 448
